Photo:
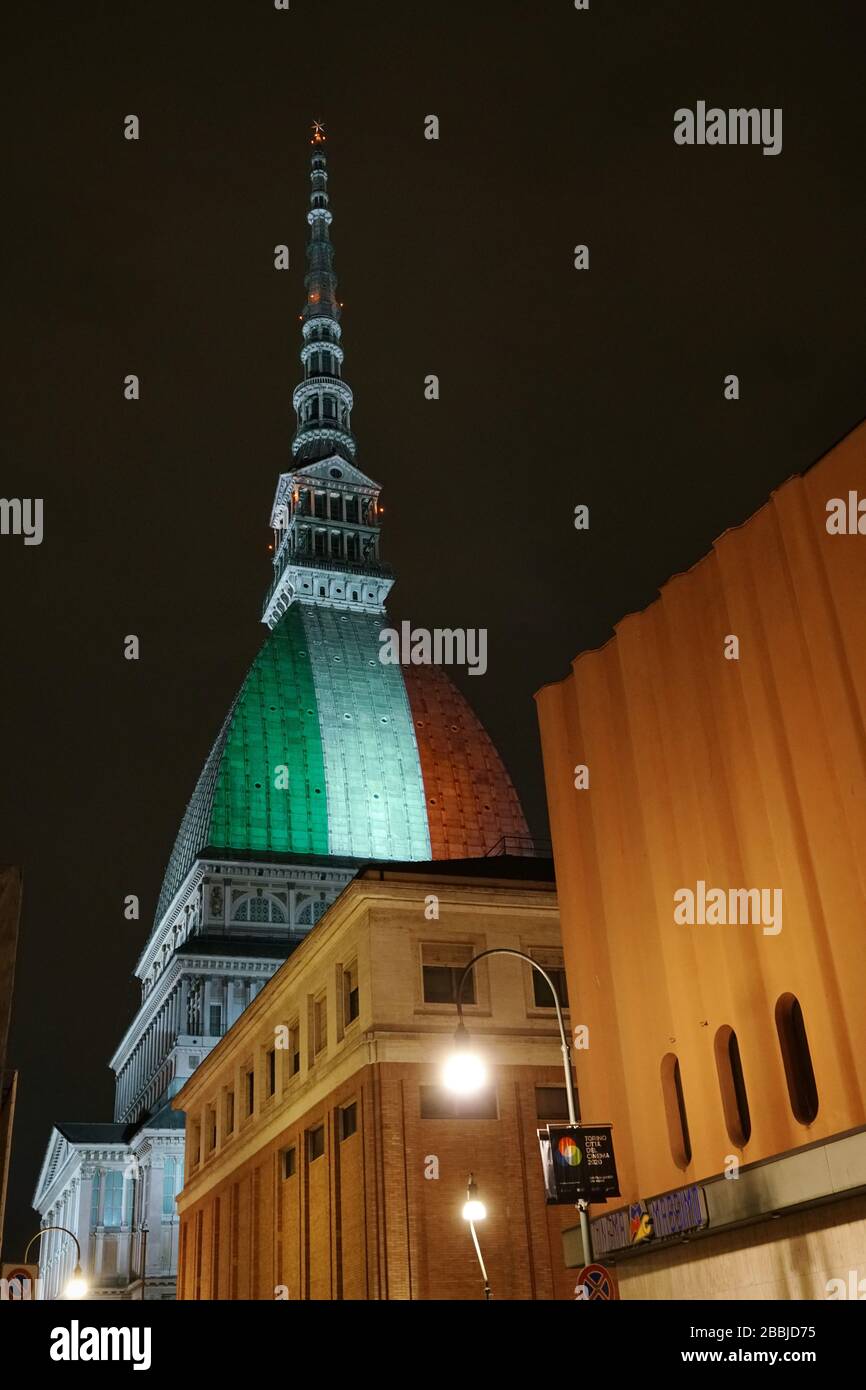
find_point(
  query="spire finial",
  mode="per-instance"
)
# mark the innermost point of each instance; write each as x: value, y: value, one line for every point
x: 319, y: 136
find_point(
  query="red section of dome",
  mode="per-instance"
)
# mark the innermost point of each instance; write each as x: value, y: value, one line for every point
x: 471, y: 801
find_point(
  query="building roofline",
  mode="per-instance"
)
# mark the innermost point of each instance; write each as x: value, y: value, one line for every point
x: 702, y: 560
x: 350, y: 901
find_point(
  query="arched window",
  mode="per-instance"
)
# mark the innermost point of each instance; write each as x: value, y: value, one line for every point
x: 675, y: 1111
x: 259, y: 909
x: 797, y: 1059
x: 309, y: 913
x: 735, y: 1102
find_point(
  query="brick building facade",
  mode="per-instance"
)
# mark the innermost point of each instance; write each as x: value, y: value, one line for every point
x: 324, y: 1158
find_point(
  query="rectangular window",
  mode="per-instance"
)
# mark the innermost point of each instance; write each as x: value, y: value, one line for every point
x: 352, y: 510
x: 348, y: 1121
x: 336, y: 507
x: 230, y: 1112
x: 272, y: 1072
x: 216, y: 1020
x: 336, y: 545
x: 443, y: 967
x: 289, y: 1158
x: 315, y: 1143
x: 169, y: 1184
x: 321, y: 506
x: 294, y: 1050
x: 250, y: 1082
x: 353, y: 550
x: 321, y: 543
x: 112, y: 1211
x: 541, y: 989
x: 551, y: 1104
x: 320, y: 1024
x: 439, y: 1104
x: 210, y: 1128
x: 351, y: 1001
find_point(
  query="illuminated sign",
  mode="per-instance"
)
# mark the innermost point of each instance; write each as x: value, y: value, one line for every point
x: 578, y: 1163
x: 658, y: 1218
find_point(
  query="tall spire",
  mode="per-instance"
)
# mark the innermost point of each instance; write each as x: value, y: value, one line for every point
x: 323, y: 401
x: 326, y: 515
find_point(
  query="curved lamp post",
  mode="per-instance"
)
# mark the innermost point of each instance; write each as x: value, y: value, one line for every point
x: 475, y: 1210
x: 465, y: 1073
x: 77, y: 1286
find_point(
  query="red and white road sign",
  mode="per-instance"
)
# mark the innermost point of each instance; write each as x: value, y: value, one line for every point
x: 595, y: 1282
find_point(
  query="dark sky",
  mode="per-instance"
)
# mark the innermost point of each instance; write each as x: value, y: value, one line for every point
x: 558, y: 388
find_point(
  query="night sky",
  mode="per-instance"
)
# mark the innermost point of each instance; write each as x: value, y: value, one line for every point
x: 455, y: 258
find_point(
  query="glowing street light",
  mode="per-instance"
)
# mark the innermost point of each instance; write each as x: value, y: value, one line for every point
x: 77, y: 1286
x: 475, y: 1210
x: 465, y: 1074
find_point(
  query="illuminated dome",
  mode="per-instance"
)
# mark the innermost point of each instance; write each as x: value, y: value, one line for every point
x: 328, y: 753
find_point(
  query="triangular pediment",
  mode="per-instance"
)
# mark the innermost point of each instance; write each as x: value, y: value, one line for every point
x: 55, y: 1157
x: 323, y: 470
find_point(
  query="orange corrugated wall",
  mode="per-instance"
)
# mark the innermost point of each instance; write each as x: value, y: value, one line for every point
x: 748, y: 774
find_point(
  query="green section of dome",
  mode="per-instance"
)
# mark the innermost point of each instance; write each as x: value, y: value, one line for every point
x: 376, y: 801
x: 270, y: 791
x: 273, y: 724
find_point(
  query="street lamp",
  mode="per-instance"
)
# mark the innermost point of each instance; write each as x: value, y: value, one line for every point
x: 77, y: 1286
x: 144, y: 1229
x: 465, y: 1073
x: 475, y: 1210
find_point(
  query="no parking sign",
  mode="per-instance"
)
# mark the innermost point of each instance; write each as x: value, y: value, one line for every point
x: 595, y: 1282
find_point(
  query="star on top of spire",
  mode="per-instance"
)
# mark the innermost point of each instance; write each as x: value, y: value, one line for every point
x: 319, y: 136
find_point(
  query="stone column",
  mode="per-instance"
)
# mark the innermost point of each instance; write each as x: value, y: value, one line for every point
x: 183, y: 1029
x: 84, y: 1230
x: 100, y: 1219
x: 154, y: 1217
x: 46, y: 1255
